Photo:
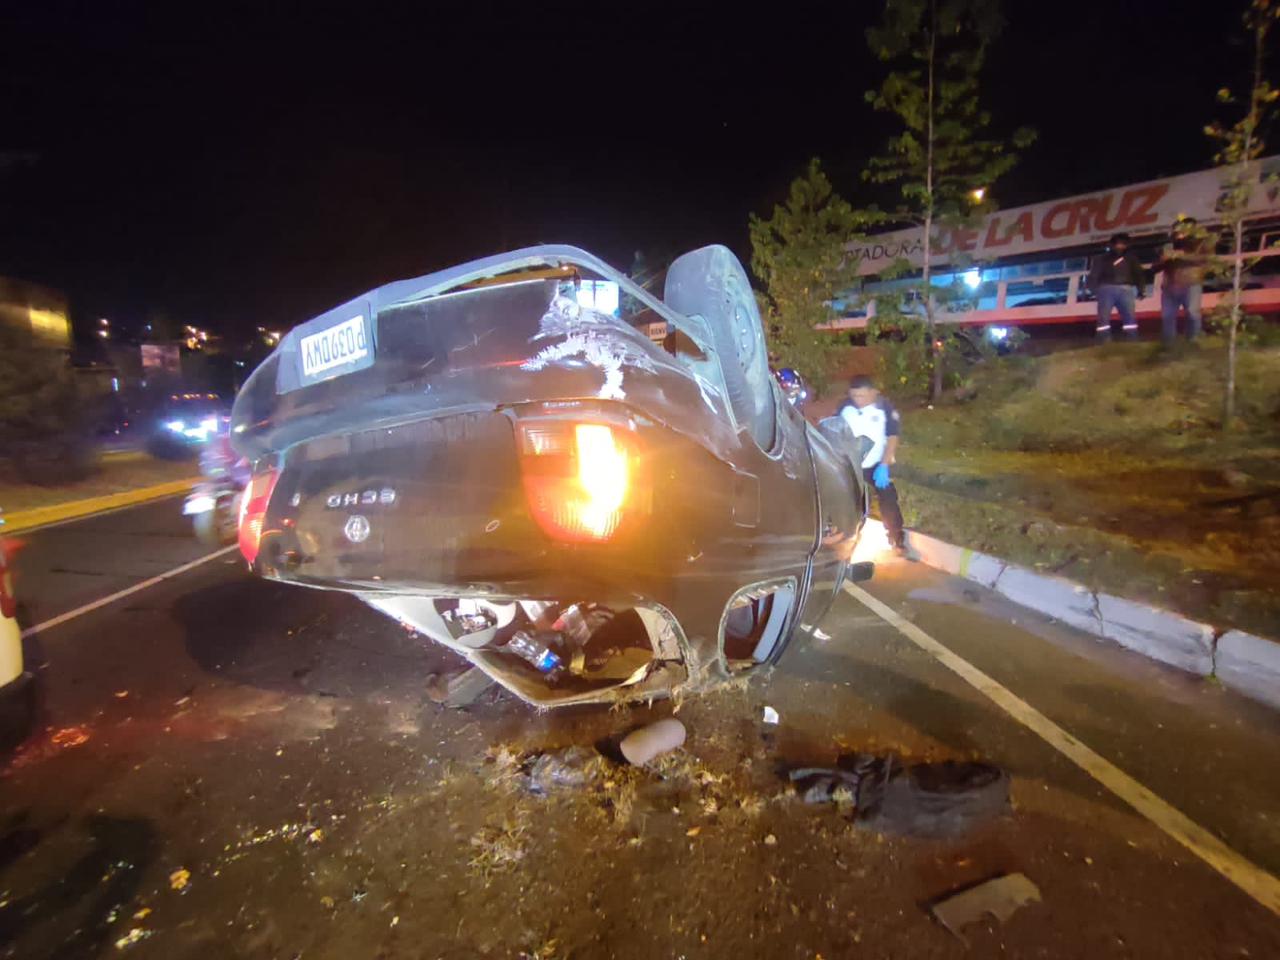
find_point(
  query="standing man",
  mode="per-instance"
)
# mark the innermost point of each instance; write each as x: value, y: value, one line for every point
x: 1182, y: 264
x: 870, y: 415
x: 1116, y: 280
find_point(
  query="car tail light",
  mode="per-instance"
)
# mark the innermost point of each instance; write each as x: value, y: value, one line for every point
x: 581, y: 479
x: 8, y: 602
x: 253, y: 512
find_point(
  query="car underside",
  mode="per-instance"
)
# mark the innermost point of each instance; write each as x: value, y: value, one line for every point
x: 579, y: 511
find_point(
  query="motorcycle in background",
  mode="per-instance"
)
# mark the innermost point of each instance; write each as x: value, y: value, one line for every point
x: 214, y: 504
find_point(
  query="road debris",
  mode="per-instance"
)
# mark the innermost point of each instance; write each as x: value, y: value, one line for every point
x: 566, y: 768
x: 771, y: 715
x: 70, y: 737
x: 942, y: 799
x: 1000, y: 898
x: 641, y: 746
x: 133, y: 936
x: 179, y: 879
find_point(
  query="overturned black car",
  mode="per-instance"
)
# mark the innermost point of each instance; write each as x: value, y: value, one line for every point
x: 589, y: 493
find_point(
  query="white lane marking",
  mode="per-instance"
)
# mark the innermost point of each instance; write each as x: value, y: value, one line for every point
x: 1249, y: 877
x: 121, y: 594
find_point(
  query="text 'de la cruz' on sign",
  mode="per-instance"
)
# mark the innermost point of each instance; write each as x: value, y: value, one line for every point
x: 1141, y: 208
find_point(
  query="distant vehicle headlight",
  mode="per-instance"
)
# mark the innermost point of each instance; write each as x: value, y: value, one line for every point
x: 177, y: 426
x: 209, y: 425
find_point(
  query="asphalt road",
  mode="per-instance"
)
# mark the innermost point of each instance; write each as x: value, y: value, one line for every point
x: 226, y: 767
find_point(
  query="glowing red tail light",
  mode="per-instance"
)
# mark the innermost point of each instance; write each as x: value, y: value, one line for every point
x: 8, y: 602
x: 253, y: 512
x: 580, y: 479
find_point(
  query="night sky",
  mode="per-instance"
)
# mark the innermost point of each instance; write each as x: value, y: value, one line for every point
x: 234, y: 167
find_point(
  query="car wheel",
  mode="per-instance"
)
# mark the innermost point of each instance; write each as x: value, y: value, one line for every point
x: 212, y: 528
x: 711, y: 283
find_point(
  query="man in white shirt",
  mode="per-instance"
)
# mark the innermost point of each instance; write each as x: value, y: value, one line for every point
x: 869, y: 414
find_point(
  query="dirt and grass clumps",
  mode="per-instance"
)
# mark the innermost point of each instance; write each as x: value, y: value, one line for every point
x: 1109, y: 465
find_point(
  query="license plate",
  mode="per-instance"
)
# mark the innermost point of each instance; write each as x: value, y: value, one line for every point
x: 334, y: 349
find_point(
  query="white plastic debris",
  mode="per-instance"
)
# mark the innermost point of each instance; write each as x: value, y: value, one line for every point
x: 770, y: 715
x: 641, y: 746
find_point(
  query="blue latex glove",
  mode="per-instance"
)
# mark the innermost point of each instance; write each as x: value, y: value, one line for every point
x: 880, y: 476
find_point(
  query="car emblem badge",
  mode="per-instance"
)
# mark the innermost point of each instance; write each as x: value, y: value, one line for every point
x: 357, y: 529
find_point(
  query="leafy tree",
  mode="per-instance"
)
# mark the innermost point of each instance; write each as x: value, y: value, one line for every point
x: 799, y: 254
x: 940, y: 161
x: 1239, y: 148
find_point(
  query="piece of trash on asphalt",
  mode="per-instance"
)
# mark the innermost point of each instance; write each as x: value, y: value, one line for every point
x: 70, y: 737
x: 942, y: 799
x: 394, y: 921
x: 121, y: 694
x: 315, y: 836
x: 179, y: 879
x: 327, y: 902
x: 142, y: 914
x: 770, y: 715
x: 132, y: 937
x: 999, y: 898
x: 820, y: 634
x: 558, y: 769
x: 770, y: 841
x: 641, y: 746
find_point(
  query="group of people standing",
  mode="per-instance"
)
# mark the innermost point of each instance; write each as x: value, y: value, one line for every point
x: 1118, y: 281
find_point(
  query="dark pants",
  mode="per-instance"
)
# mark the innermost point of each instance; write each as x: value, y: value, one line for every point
x: 890, y: 512
x: 1172, y: 297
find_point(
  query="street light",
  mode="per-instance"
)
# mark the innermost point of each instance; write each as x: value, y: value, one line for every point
x: 978, y: 194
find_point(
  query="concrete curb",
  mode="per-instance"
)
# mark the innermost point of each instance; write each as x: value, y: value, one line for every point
x: 77, y: 509
x: 1243, y: 662
x: 1250, y: 665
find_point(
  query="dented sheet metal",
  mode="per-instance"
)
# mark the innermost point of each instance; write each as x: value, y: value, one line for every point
x: 476, y: 350
x: 418, y: 415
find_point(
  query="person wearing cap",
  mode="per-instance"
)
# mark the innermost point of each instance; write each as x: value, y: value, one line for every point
x: 1116, y: 279
x: 869, y: 414
x: 1182, y: 263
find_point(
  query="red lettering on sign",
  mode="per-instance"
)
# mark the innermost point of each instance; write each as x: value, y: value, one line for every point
x: 966, y: 240
x: 1088, y: 209
x: 1143, y: 209
x: 992, y: 238
x: 1105, y: 222
x: 1024, y: 225
x: 1050, y: 226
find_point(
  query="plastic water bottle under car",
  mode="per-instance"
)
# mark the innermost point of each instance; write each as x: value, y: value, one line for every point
x: 536, y: 648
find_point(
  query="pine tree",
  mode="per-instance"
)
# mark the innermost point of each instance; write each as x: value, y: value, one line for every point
x: 799, y: 253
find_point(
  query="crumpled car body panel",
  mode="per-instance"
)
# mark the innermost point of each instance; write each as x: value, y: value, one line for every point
x: 405, y: 482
